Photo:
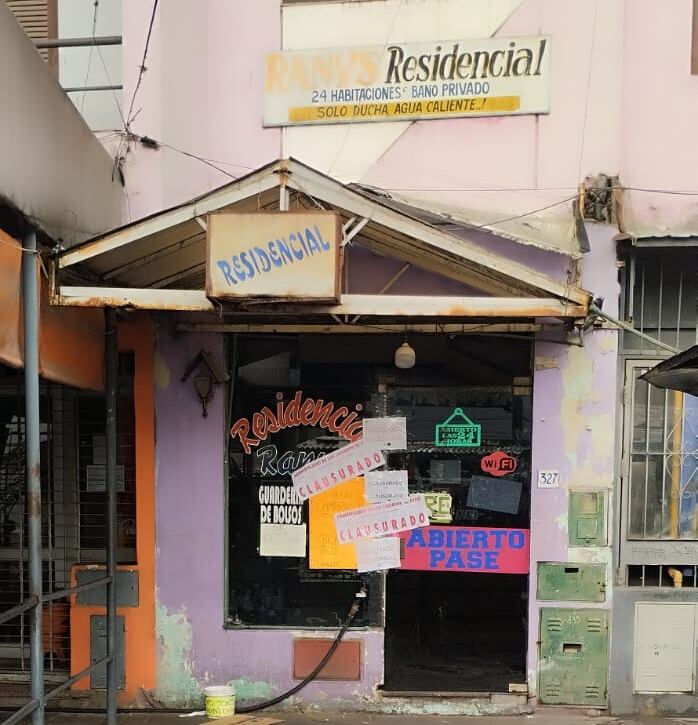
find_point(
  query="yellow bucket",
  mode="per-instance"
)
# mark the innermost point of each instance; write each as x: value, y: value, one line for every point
x: 220, y: 701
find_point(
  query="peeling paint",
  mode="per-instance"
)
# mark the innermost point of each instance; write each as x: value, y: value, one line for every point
x: 252, y: 690
x: 546, y: 362
x: 176, y: 685
x: 161, y: 372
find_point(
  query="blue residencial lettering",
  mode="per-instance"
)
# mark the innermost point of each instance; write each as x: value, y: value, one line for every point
x: 462, y: 536
x: 238, y: 269
x: 247, y: 265
x: 284, y: 251
x: 263, y: 259
x: 224, y: 266
x: 325, y: 245
x: 274, y: 255
x: 517, y: 540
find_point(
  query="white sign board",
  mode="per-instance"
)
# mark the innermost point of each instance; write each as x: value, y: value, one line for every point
x: 381, y: 519
x: 407, y: 81
x: 548, y: 479
x: 386, y: 433
x: 282, y: 540
x: 386, y: 486
x: 348, y: 462
x: 378, y: 554
x: 282, y: 255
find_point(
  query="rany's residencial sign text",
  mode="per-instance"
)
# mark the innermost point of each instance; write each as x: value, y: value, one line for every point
x: 284, y: 255
x: 404, y: 81
x: 467, y: 548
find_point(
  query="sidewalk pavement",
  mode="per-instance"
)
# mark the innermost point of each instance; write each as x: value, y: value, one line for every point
x: 547, y: 716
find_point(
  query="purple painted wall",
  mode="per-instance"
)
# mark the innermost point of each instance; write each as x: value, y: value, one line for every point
x: 194, y: 649
x: 574, y: 425
x: 574, y: 402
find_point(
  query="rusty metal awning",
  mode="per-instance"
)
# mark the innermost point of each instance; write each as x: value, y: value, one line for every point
x: 679, y: 372
x: 159, y: 262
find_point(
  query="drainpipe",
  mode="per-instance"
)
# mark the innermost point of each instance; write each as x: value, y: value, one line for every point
x: 677, y: 576
x: 111, y: 362
x: 32, y: 436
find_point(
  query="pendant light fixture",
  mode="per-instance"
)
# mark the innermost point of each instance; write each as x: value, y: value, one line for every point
x: 405, y: 356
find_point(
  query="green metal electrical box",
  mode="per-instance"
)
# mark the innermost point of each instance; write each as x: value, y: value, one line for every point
x: 571, y: 582
x: 573, y: 666
x: 586, y: 520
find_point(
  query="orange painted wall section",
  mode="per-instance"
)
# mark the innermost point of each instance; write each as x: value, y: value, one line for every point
x: 71, y: 348
x: 71, y: 340
x: 140, y: 640
x: 10, y: 315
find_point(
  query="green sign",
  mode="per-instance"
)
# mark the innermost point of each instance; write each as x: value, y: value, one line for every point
x: 458, y: 431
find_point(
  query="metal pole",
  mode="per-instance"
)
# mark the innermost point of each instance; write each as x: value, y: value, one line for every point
x: 32, y: 436
x: 77, y: 42
x: 111, y: 361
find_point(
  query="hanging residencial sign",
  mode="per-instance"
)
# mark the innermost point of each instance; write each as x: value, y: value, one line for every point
x: 282, y: 255
x: 408, y: 81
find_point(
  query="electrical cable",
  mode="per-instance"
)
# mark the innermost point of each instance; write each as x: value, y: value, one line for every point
x: 89, y: 57
x: 129, y: 116
x: 361, y: 594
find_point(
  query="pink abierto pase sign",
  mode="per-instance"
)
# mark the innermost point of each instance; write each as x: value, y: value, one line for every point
x: 466, y: 548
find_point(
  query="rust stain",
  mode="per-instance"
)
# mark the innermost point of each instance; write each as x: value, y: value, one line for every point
x: 34, y: 502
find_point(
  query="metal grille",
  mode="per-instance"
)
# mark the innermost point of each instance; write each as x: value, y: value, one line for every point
x: 656, y: 575
x: 660, y: 298
x: 73, y: 505
x: 662, y: 463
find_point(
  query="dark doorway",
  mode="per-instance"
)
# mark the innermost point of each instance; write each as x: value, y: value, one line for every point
x: 455, y: 632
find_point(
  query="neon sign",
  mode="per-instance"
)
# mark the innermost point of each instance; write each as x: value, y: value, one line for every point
x: 458, y: 431
x: 296, y: 412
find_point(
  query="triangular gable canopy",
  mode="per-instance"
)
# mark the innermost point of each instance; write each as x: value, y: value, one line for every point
x: 159, y: 262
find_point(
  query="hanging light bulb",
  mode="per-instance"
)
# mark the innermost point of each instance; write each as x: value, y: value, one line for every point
x: 405, y: 356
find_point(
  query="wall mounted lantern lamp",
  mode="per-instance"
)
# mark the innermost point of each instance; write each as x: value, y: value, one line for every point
x: 205, y: 372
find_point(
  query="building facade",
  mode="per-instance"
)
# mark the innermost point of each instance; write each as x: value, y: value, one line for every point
x: 497, y: 213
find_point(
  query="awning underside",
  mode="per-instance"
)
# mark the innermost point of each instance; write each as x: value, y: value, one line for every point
x: 159, y: 262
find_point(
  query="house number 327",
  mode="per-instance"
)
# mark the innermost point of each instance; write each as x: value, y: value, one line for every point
x: 548, y: 479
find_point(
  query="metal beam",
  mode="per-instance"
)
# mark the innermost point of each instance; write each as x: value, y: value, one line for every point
x: 78, y: 42
x: 32, y: 437
x: 416, y: 306
x: 134, y: 298
x: 427, y: 329
x: 256, y: 183
x: 111, y: 385
x: 485, y: 263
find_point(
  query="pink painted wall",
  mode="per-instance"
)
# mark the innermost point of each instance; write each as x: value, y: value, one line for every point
x: 201, y: 93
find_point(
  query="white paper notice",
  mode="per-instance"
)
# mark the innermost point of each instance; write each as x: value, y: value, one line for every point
x: 381, y: 519
x: 386, y: 433
x: 349, y: 462
x: 282, y: 540
x: 386, y: 486
x: 378, y: 554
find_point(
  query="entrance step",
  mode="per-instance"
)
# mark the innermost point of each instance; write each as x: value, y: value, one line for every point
x: 455, y: 703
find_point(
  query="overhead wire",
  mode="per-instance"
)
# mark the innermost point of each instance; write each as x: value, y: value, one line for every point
x: 89, y: 57
x: 351, y: 122
x: 141, y: 71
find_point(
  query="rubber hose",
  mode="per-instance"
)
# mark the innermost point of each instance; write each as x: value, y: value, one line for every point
x: 310, y: 677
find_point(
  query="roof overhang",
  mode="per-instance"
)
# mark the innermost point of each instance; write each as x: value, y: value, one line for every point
x: 679, y: 372
x: 159, y: 262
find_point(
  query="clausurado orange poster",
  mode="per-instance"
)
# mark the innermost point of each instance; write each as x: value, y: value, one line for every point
x: 325, y: 552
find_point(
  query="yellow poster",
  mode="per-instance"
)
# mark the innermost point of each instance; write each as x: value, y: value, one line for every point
x: 325, y: 551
